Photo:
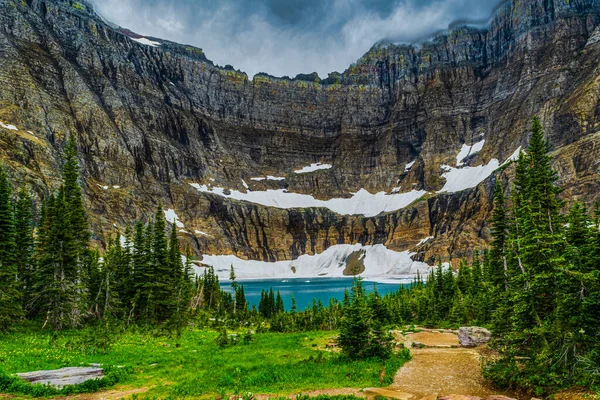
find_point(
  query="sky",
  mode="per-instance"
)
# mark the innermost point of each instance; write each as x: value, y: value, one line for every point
x: 288, y: 37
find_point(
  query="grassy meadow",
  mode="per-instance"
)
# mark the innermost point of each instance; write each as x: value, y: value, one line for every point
x: 194, y: 366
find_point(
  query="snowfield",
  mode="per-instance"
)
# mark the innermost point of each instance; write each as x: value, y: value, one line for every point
x: 463, y: 178
x: 171, y: 216
x: 467, y: 150
x: 313, y: 168
x: 146, y: 42
x: 379, y: 261
x: 361, y: 203
x: 458, y: 179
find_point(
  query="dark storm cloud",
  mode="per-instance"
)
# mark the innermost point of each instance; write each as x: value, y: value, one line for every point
x: 287, y: 37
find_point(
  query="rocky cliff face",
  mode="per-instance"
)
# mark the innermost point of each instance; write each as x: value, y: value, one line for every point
x: 152, y: 117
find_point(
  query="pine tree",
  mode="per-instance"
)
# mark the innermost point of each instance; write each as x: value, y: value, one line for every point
x: 234, y: 286
x: 361, y: 335
x: 94, y: 283
x: 240, y: 300
x: 163, y: 296
x: 541, y: 244
x: 142, y: 273
x: 187, y: 285
x: 124, y: 282
x: 73, y: 198
x: 10, y: 295
x: 279, y: 307
x: 62, y: 252
x: 498, y: 261
x: 355, y: 331
x: 24, y: 245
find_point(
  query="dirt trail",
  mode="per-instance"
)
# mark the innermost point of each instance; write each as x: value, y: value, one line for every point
x: 441, y: 368
x: 113, y: 394
x: 442, y: 371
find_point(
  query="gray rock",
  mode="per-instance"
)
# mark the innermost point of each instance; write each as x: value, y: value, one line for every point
x: 473, y: 336
x: 64, y: 376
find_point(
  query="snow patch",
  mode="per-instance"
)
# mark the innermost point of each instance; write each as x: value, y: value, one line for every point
x: 409, y: 166
x: 467, y: 150
x: 423, y: 241
x: 513, y: 157
x: 124, y: 242
x: 313, y: 168
x: 463, y: 178
x: 201, y: 233
x: 458, y: 179
x: 103, y: 187
x: 245, y: 185
x: 361, y: 203
x: 9, y: 127
x: 116, y: 187
x: 594, y: 38
x: 269, y: 178
x: 379, y: 261
x: 171, y: 216
x: 146, y: 42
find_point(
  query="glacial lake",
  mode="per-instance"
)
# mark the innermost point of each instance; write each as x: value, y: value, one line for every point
x: 306, y: 289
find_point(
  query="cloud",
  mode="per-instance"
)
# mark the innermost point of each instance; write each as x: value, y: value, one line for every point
x: 288, y: 37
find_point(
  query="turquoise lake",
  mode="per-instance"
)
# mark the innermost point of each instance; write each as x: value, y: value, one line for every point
x: 305, y: 289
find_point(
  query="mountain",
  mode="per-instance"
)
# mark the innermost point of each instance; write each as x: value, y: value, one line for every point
x: 403, y: 146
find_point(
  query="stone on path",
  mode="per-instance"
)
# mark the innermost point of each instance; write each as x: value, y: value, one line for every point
x: 64, y: 376
x: 473, y: 336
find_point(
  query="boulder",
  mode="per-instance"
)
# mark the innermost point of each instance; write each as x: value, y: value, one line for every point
x: 64, y: 376
x: 473, y: 336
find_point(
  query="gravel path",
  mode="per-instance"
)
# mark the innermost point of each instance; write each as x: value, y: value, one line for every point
x: 441, y: 368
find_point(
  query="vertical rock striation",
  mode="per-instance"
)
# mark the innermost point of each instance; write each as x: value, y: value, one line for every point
x: 150, y: 119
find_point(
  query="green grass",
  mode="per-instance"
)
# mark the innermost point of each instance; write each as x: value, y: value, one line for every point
x: 194, y: 366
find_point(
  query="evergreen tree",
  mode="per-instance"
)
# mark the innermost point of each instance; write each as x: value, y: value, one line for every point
x: 62, y: 252
x: 73, y: 198
x: 163, y: 298
x: 10, y: 295
x: 234, y: 286
x: 279, y: 307
x: 24, y: 245
x: 142, y: 273
x: 361, y: 335
x: 498, y: 261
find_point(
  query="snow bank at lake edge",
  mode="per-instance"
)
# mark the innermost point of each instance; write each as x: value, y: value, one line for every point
x: 379, y: 262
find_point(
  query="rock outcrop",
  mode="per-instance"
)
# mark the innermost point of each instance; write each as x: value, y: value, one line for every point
x: 153, y: 118
x: 64, y: 376
x: 473, y: 336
